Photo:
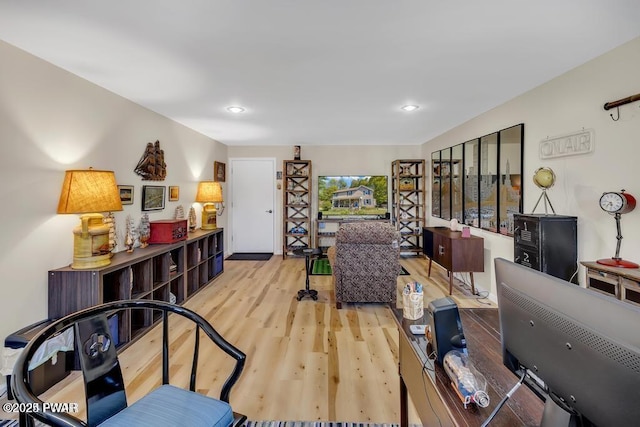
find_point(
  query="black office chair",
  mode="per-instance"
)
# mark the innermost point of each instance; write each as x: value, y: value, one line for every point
x: 167, y: 405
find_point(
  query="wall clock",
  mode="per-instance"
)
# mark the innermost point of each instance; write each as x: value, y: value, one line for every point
x: 616, y: 204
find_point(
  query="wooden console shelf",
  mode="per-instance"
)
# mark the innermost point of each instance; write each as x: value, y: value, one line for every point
x: 427, y: 384
x: 157, y: 272
x: 453, y: 252
x: 620, y: 283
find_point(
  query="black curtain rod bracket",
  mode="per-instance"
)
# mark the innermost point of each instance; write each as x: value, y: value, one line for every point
x: 618, y: 103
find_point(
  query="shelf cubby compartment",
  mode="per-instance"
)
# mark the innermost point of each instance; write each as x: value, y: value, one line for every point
x: 142, y: 274
x: 116, y: 285
x: 211, y: 266
x: 176, y: 261
x: 204, y: 249
x: 192, y: 280
x: 160, y: 294
x: 211, y: 246
x: 118, y: 326
x: 218, y: 265
x: 141, y: 319
x: 161, y: 268
x: 177, y: 289
x: 193, y: 254
x: 203, y: 271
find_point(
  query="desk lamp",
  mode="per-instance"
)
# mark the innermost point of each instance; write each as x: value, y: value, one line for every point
x: 210, y: 193
x: 86, y: 192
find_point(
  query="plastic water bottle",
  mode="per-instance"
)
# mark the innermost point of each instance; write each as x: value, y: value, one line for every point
x: 470, y: 385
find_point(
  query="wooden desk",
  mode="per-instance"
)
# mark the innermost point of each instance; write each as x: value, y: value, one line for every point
x: 453, y: 252
x: 430, y: 389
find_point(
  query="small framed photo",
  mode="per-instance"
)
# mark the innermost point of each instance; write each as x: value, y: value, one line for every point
x: 126, y: 194
x: 174, y: 193
x: 219, y: 171
x: 153, y: 197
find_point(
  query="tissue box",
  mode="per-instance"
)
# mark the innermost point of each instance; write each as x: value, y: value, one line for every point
x: 413, y: 305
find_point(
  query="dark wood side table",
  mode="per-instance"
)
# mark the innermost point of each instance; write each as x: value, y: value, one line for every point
x: 308, y: 254
x: 454, y: 252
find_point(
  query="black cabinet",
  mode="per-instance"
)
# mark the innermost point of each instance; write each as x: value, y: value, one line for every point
x: 547, y: 243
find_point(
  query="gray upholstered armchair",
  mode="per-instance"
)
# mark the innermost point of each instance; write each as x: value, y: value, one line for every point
x: 365, y: 262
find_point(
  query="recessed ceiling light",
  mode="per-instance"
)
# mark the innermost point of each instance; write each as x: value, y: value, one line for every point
x: 410, y: 107
x: 235, y: 109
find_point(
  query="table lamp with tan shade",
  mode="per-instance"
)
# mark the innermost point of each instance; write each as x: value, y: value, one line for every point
x: 210, y: 193
x: 88, y: 192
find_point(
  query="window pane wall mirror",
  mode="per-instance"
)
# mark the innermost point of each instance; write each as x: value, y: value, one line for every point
x: 489, y: 182
x: 445, y: 183
x: 435, y: 186
x: 510, y: 172
x: 479, y: 182
x: 457, y: 153
x: 471, y: 183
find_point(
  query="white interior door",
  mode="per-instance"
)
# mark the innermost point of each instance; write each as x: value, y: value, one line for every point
x: 253, y: 204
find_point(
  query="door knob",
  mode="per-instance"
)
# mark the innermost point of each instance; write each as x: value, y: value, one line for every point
x: 270, y: 211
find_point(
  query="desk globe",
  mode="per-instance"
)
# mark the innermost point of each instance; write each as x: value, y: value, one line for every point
x: 544, y: 178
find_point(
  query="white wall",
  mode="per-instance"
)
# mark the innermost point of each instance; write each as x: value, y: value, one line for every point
x: 329, y: 160
x: 566, y: 104
x: 51, y: 121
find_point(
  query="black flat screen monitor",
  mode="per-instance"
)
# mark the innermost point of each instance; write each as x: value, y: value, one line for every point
x: 581, y: 348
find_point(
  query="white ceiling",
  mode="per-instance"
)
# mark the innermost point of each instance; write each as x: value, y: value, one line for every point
x: 326, y: 72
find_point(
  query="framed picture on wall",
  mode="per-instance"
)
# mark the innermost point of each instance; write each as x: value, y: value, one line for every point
x: 174, y: 193
x: 126, y: 194
x: 153, y: 197
x: 219, y: 171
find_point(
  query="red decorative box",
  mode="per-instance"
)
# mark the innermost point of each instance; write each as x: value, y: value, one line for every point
x: 168, y: 231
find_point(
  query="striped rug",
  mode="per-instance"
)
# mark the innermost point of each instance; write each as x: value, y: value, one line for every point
x: 14, y: 423
x: 315, y: 424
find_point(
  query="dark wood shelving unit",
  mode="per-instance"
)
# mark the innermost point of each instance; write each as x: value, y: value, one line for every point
x: 296, y: 206
x: 158, y: 272
x: 408, y: 203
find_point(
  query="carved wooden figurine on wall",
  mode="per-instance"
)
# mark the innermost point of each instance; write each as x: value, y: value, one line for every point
x: 151, y: 166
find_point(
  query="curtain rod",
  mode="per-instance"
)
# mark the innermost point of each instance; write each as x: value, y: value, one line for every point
x: 619, y: 102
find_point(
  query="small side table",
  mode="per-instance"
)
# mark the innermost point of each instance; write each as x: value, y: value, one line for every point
x: 308, y: 254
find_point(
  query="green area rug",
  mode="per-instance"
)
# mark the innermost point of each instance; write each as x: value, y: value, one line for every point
x: 321, y: 267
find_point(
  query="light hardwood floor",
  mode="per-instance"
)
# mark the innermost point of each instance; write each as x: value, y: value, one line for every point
x: 306, y: 360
